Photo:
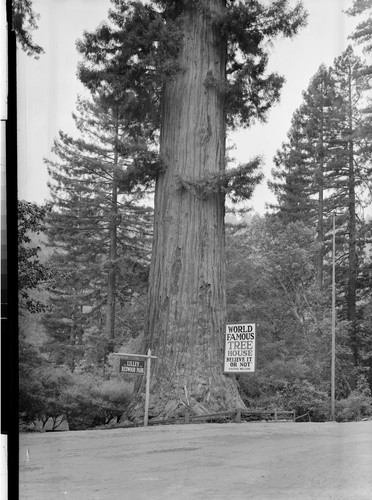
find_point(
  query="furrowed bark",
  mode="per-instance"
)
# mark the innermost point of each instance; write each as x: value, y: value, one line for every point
x: 187, y: 278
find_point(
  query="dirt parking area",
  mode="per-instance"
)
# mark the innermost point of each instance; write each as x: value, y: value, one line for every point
x: 200, y: 461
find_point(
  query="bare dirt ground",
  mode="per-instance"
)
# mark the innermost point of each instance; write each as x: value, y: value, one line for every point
x: 202, y: 461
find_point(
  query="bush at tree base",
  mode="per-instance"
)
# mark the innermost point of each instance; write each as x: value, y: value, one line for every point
x: 298, y: 395
x: 357, y: 405
x: 85, y: 401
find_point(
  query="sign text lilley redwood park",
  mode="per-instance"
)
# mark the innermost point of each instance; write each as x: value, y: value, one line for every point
x: 240, y: 348
x: 132, y: 366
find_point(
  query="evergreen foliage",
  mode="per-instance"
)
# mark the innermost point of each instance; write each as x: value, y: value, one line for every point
x: 293, y: 176
x: 136, y: 53
x: 249, y: 28
x: 363, y: 32
x: 96, y: 233
x: 238, y: 183
x: 352, y: 83
x: 271, y: 277
x: 325, y: 168
x: 47, y: 391
x: 278, y: 266
x: 142, y: 55
x: 32, y: 274
x: 133, y: 55
x: 24, y: 21
x: 304, y: 164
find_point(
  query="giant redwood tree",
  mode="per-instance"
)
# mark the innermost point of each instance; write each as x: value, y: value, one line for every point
x: 202, y: 65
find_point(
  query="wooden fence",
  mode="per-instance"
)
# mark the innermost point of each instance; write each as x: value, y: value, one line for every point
x: 238, y: 415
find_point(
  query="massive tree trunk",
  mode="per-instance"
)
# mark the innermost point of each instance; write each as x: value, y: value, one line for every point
x: 187, y: 279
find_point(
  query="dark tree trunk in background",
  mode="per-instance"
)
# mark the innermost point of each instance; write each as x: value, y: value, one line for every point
x: 352, y: 268
x: 111, y: 281
x: 320, y: 235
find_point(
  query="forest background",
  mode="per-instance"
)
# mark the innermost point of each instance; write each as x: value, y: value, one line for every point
x: 85, y: 292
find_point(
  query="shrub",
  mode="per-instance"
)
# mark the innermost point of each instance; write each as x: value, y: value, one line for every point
x: 90, y: 403
x: 114, y: 397
x: 304, y: 397
x: 357, y: 405
x: 301, y: 396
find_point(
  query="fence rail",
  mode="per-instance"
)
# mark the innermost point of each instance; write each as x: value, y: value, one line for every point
x: 238, y: 415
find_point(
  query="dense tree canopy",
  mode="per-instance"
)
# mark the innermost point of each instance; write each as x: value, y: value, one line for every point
x: 272, y: 277
x: 137, y: 52
x: 24, y: 21
x: 325, y: 168
x: 101, y: 237
x: 32, y: 274
x: 168, y: 80
x: 363, y: 32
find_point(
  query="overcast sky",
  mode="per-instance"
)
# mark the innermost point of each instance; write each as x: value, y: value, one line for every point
x: 48, y: 87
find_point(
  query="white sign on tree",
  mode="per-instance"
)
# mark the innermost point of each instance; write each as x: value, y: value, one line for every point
x: 240, y: 348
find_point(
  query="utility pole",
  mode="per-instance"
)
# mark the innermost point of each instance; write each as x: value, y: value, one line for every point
x: 147, y: 398
x: 333, y: 364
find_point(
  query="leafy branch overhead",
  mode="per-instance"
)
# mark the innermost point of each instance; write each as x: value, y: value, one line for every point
x: 141, y: 173
x: 238, y: 183
x: 249, y: 29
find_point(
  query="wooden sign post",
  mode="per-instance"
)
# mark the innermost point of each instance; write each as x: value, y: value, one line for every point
x: 129, y: 366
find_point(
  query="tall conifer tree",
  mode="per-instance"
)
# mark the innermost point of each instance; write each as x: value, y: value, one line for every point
x: 97, y: 232
x: 310, y: 155
x: 333, y: 152
x: 293, y: 175
x: 353, y: 171
x: 206, y: 61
